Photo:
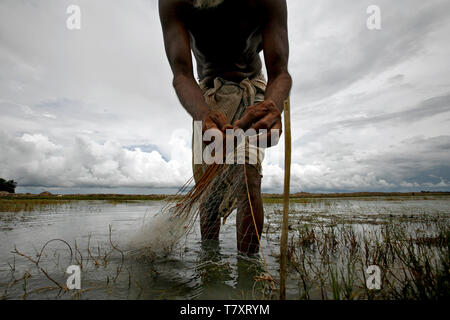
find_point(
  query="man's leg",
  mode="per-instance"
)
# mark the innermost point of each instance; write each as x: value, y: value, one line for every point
x: 209, y: 218
x: 247, y: 240
x: 209, y: 227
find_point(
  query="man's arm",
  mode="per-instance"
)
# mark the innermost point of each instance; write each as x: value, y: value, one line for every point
x: 276, y: 52
x: 267, y: 114
x: 178, y: 50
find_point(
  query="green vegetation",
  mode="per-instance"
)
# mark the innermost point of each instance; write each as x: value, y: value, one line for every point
x: 43, y: 202
x: 304, y: 197
x: 267, y: 198
x: 331, y: 260
x: 8, y: 185
x: 28, y: 202
x: 28, y: 205
x: 75, y: 197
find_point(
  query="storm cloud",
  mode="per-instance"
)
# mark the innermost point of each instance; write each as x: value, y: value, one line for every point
x: 94, y: 108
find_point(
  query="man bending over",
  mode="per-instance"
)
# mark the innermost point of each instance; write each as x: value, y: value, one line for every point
x: 226, y: 37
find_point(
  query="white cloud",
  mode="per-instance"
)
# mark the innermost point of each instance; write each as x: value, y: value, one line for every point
x: 34, y: 160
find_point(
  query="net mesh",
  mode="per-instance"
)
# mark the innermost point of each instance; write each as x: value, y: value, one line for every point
x: 213, y: 197
x: 220, y: 189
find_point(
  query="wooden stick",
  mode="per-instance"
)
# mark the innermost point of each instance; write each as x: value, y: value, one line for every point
x: 287, y: 178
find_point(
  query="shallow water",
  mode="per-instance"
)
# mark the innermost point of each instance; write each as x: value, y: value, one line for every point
x: 192, y: 271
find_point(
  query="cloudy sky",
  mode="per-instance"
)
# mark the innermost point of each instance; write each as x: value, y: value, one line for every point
x: 93, y: 109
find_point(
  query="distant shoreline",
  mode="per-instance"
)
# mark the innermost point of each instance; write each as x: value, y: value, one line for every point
x: 298, y: 195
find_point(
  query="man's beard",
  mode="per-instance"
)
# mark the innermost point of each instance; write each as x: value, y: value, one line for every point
x: 207, y: 3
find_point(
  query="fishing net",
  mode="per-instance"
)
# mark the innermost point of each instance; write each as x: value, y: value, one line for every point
x: 220, y: 190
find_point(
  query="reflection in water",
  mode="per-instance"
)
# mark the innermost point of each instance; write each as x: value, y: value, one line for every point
x: 211, y: 276
x: 214, y: 272
x: 248, y: 268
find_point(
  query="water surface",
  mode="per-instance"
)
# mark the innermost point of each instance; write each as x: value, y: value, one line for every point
x: 192, y: 271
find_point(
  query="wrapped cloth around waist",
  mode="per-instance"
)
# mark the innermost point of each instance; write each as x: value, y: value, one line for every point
x: 232, y: 99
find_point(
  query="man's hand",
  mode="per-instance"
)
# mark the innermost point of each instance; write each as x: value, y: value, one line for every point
x: 264, y: 115
x: 215, y: 120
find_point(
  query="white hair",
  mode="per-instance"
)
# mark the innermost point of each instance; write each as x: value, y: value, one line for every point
x: 207, y: 3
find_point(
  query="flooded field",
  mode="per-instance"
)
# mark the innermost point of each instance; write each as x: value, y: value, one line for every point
x: 332, y: 241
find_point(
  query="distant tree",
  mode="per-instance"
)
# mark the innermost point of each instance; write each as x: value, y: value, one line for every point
x: 8, y: 185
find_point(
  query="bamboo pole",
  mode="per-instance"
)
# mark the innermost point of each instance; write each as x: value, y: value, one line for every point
x: 287, y: 178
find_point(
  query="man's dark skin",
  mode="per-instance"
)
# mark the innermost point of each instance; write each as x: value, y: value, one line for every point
x: 226, y: 41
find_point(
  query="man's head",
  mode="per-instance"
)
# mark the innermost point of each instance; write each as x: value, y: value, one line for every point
x: 207, y: 3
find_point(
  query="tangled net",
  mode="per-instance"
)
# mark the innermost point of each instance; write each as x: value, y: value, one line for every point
x: 217, y: 190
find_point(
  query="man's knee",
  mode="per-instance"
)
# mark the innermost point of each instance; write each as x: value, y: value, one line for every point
x: 209, y: 215
x: 253, y: 180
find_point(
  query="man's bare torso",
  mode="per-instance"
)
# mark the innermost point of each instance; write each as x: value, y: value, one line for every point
x: 226, y: 40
